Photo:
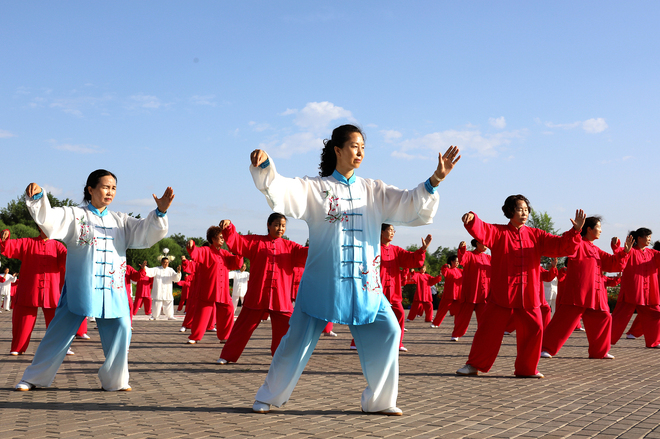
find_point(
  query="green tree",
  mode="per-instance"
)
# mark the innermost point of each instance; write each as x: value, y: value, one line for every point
x: 543, y: 221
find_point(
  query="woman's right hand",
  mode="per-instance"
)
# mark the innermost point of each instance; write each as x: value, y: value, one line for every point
x: 32, y: 190
x: 224, y: 224
x: 257, y: 157
x: 468, y: 217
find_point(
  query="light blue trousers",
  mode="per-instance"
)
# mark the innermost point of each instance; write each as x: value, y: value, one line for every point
x: 115, y: 338
x: 378, y: 348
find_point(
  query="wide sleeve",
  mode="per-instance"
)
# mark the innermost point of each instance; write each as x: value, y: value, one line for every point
x: 404, y: 207
x: 61, y: 256
x: 435, y: 280
x: 144, y: 232
x: 462, y: 251
x: 13, y: 248
x: 239, y: 244
x: 554, y: 246
x: 287, y: 196
x: 56, y: 222
x: 299, y: 254
x: 408, y: 259
x: 548, y: 275
x: 150, y: 271
x: 481, y: 231
x: 232, y: 262
x: 613, y: 263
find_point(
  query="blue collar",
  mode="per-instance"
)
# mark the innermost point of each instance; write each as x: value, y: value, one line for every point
x: 343, y: 179
x: 96, y: 212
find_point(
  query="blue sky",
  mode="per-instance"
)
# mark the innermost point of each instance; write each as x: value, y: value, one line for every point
x: 555, y: 100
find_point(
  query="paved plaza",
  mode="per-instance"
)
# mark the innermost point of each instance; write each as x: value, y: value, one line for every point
x: 179, y: 391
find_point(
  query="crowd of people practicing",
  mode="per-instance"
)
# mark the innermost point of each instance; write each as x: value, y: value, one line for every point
x: 349, y: 274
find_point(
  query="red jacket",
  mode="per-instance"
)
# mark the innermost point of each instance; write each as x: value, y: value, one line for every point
x: 424, y: 282
x: 42, y: 270
x: 212, y: 273
x: 144, y: 284
x: 639, y: 281
x: 453, y: 282
x: 476, y: 275
x: 271, y: 268
x: 584, y: 285
x: 130, y: 272
x: 516, y: 259
x: 392, y: 258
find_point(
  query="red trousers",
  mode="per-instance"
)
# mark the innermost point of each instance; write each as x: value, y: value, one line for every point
x: 636, y: 328
x: 444, y: 306
x: 488, y: 338
x: 23, y: 319
x: 137, y: 303
x: 224, y: 319
x: 464, y: 315
x: 328, y: 328
x: 546, y: 316
x: 400, y: 313
x: 419, y: 308
x: 597, y: 324
x: 246, y: 323
x: 181, y: 303
x: 650, y: 321
x: 83, y: 328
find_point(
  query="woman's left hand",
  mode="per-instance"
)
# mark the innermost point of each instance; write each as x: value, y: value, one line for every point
x: 447, y: 161
x: 165, y: 201
x: 629, y: 243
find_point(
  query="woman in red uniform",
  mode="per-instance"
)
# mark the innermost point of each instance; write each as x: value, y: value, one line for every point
x: 515, y: 284
x: 269, y: 289
x: 585, y: 295
x: 451, y: 292
x: 212, y: 275
x: 143, y: 290
x: 423, y: 301
x: 639, y: 290
x: 476, y: 285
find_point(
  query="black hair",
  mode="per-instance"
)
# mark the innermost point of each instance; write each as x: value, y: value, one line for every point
x: 384, y: 227
x: 93, y: 181
x: 451, y: 258
x: 340, y: 136
x: 640, y: 233
x: 590, y: 223
x: 212, y: 232
x: 656, y: 245
x: 474, y: 243
x: 511, y: 203
x: 275, y: 217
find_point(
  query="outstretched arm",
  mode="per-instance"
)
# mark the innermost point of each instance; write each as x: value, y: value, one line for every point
x: 426, y: 242
x: 257, y: 157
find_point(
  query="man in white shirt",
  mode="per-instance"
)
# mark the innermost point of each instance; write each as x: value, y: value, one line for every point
x: 241, y: 278
x: 5, y: 288
x: 161, y: 292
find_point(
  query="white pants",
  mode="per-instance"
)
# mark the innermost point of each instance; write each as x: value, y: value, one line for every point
x: 378, y: 348
x: 115, y: 337
x: 7, y: 301
x: 234, y: 298
x: 168, y: 308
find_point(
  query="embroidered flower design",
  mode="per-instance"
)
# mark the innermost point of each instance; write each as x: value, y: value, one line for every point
x: 86, y: 236
x: 334, y: 214
x: 367, y: 286
x: 120, y: 277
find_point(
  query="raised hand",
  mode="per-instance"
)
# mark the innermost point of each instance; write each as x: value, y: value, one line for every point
x: 165, y: 201
x: 191, y: 245
x: 630, y: 241
x: 553, y: 263
x: 257, y: 157
x: 446, y: 162
x: 616, y: 243
x: 426, y: 241
x: 5, y: 235
x: 462, y: 244
x: 580, y: 217
x: 224, y: 224
x: 178, y: 269
x: 32, y: 190
x: 467, y: 218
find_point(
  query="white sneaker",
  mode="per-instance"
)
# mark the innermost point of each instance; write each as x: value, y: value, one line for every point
x: 536, y: 375
x: 182, y: 329
x: 222, y: 361
x: 353, y: 348
x: 330, y: 334
x: 214, y: 330
x: 630, y: 337
x: 70, y: 352
x: 580, y: 329
x: 14, y: 353
x: 467, y: 370
x: 403, y: 349
x: 191, y: 341
x: 392, y: 411
x: 171, y: 318
x: 454, y: 339
x: 24, y: 386
x: 608, y: 356
x: 433, y: 326
x: 84, y: 337
x: 544, y: 354
x: 408, y: 320
x: 151, y: 318
x: 507, y: 333
x: 260, y: 407
x: 405, y: 329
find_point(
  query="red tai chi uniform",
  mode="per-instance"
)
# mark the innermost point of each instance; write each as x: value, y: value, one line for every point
x: 423, y: 301
x: 639, y: 290
x: 269, y: 288
x: 476, y: 285
x: 585, y: 296
x: 515, y: 290
x: 546, y: 310
x: 142, y: 291
x: 212, y: 277
x: 451, y: 294
x: 130, y: 273
x: 43, y: 262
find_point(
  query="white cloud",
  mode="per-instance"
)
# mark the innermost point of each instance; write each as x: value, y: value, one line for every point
x: 289, y: 111
x: 295, y: 144
x: 466, y: 140
x: 53, y: 190
x: 4, y: 134
x: 499, y: 123
x: 146, y: 101
x: 259, y: 127
x: 316, y: 116
x: 594, y: 126
x: 80, y: 149
x: 203, y: 100
x: 390, y: 135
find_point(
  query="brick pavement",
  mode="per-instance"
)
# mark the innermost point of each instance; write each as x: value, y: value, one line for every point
x: 179, y: 391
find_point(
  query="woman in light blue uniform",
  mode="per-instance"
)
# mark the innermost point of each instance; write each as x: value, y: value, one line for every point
x: 94, y: 286
x: 341, y: 282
